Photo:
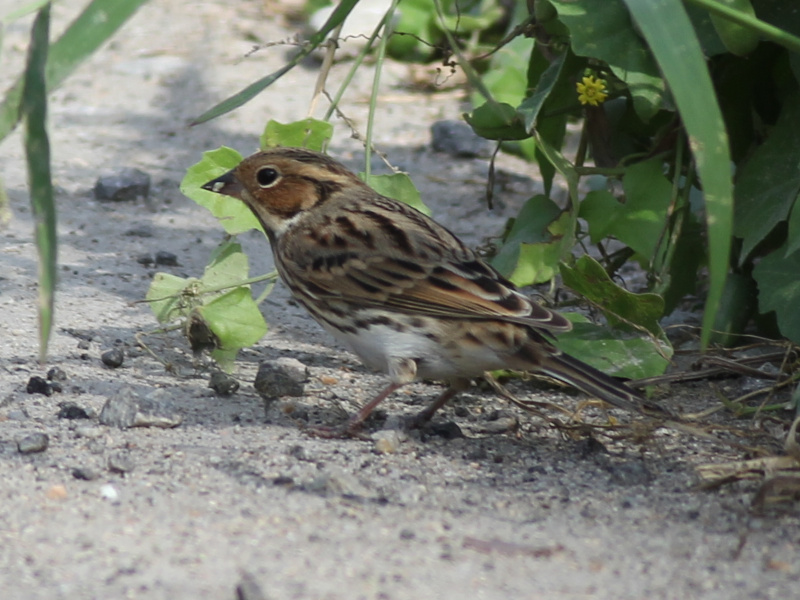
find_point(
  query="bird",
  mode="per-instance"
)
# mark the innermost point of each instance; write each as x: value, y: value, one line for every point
x: 397, y: 288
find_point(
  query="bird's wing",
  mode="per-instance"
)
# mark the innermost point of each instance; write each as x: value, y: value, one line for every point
x: 400, y: 260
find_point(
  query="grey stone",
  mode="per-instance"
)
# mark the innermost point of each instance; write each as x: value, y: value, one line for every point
x: 121, y: 462
x: 123, y: 185
x: 457, y: 139
x: 113, y: 358
x: 128, y: 409
x: 282, y: 377
x: 32, y: 443
x: 166, y: 259
x: 85, y: 473
x: 223, y: 384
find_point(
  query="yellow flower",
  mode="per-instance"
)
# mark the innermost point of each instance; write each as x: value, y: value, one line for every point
x: 592, y: 91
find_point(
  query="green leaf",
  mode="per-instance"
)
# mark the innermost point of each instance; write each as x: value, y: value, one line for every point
x: 602, y: 29
x: 495, y: 121
x: 544, y: 109
x: 527, y: 252
x: 209, y: 304
x: 233, y: 214
x: 171, y: 297
x: 251, y: 91
x: 399, y: 187
x: 308, y: 133
x: 538, y: 262
x: 530, y: 107
x: 738, y: 39
x: 668, y: 31
x: 94, y: 25
x: 768, y: 183
x: 779, y: 290
x: 614, y: 352
x: 228, y: 266
x: 622, y: 308
x: 37, y: 151
x: 235, y: 319
x: 640, y: 221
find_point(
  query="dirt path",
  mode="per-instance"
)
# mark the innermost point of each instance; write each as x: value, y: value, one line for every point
x: 185, y: 512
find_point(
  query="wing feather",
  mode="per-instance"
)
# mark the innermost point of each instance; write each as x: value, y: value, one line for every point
x: 407, y: 263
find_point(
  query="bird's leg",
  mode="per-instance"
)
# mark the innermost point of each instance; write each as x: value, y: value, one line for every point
x: 427, y: 413
x: 354, y: 423
x: 350, y: 429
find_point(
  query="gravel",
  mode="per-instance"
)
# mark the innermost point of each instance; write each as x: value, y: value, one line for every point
x: 231, y: 499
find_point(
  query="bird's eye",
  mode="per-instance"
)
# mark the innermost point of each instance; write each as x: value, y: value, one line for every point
x: 267, y: 177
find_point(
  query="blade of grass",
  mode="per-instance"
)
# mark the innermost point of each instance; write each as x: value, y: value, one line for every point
x: 37, y: 149
x: 23, y: 10
x: 251, y: 91
x: 86, y: 33
x: 376, y: 84
x: 671, y: 37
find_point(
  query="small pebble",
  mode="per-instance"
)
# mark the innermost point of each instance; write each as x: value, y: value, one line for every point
x: 85, y: 473
x: 121, y: 462
x: 70, y: 410
x: 275, y: 379
x: 113, y: 358
x: 461, y: 411
x: 299, y: 452
x: 126, y: 184
x: 407, y: 534
x: 56, y: 374
x: 387, y: 441
x: 57, y: 492
x: 145, y: 259
x: 32, y: 443
x: 501, y: 425
x: 17, y: 415
x: 90, y: 432
x: 223, y: 384
x: 128, y: 409
x: 446, y: 429
x: 109, y: 492
x: 39, y: 385
x: 167, y: 259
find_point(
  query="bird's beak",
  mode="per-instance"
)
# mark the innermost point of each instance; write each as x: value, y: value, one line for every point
x: 227, y: 185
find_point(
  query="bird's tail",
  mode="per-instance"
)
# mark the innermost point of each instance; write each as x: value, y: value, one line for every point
x: 595, y: 383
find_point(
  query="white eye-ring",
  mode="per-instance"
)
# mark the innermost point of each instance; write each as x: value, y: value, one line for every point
x: 267, y: 176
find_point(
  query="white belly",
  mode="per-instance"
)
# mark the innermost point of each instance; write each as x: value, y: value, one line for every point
x: 378, y: 346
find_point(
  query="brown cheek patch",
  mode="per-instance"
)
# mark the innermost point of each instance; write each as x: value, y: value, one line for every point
x: 284, y: 200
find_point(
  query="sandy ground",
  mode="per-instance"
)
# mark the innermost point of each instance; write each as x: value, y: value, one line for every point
x: 238, y: 489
